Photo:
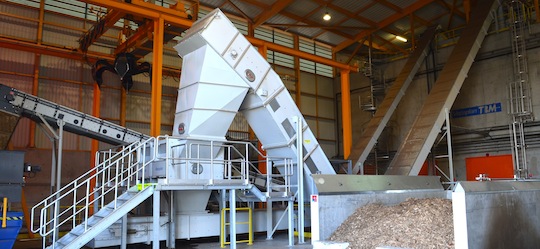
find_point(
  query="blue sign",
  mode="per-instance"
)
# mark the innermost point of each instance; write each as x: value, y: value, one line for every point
x: 477, y: 110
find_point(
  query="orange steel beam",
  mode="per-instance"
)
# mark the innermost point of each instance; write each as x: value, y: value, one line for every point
x: 147, y: 10
x: 389, y: 42
x: 26, y: 213
x: 35, y: 86
x: 452, y: 9
x: 413, y: 39
x: 358, y: 46
x: 37, y: 60
x: 242, y: 13
x: 157, y: 68
x: 174, y: 12
x: 40, y: 23
x: 291, y: 51
x: 157, y: 12
x: 393, y: 18
x: 537, y: 10
x: 274, y: 9
x: 110, y: 19
x: 451, y: 15
x: 375, y: 45
x: 142, y: 32
x: 94, y: 146
x: 467, y: 9
x: 52, y: 51
x: 123, y: 97
x: 346, y: 112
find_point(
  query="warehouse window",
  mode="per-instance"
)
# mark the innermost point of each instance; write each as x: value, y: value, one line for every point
x: 318, y: 49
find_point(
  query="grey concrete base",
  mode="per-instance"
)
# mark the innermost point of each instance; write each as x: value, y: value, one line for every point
x: 497, y: 215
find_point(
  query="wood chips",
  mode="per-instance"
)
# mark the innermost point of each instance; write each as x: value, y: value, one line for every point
x: 414, y: 223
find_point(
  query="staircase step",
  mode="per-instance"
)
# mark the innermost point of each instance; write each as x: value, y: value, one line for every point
x: 77, y: 232
x: 66, y: 239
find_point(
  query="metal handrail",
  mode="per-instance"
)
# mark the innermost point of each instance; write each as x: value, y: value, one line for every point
x: 235, y: 159
x: 113, y: 173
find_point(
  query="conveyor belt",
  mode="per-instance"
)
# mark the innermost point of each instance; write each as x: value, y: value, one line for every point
x: 376, y: 125
x: 17, y: 104
x: 414, y: 150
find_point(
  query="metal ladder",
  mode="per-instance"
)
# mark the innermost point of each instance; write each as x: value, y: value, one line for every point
x: 520, y: 89
x: 120, y: 187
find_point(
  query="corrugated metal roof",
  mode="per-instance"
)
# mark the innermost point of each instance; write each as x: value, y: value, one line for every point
x: 352, y: 6
x: 378, y: 12
x: 212, y: 3
x: 250, y: 10
x: 305, y: 31
x: 337, y: 16
x: 278, y: 18
x: 301, y: 7
x: 401, y: 3
x: 354, y: 23
x: 330, y: 38
x: 402, y: 24
x: 431, y: 11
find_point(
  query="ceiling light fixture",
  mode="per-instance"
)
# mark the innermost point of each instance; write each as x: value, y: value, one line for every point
x: 403, y: 39
x: 327, y: 16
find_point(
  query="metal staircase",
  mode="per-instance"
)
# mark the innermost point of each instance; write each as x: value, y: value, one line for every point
x: 120, y: 187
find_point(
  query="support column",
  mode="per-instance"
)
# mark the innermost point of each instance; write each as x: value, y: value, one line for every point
x: 157, y: 69
x: 269, y: 220
x: 223, y: 220
x: 35, y: 87
x: 346, y: 112
x: 96, y: 110
x: 60, y: 140
x: 449, y: 144
x: 37, y: 63
x: 123, y: 236
x: 290, y: 209
x: 232, y: 221
x: 172, y: 221
x: 155, y: 219
x: 300, y: 174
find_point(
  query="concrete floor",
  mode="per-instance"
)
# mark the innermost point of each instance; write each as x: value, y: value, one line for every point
x: 280, y: 241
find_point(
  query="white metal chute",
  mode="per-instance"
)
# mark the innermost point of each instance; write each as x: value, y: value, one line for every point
x: 214, y: 46
x: 208, y: 94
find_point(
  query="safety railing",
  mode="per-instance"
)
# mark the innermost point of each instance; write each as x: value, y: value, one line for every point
x: 224, y: 224
x: 197, y: 161
x: 117, y: 170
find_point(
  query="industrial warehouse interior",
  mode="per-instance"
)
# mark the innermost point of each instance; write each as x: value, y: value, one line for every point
x: 269, y: 124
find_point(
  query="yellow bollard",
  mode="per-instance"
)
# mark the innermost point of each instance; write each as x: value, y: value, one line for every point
x: 4, y: 218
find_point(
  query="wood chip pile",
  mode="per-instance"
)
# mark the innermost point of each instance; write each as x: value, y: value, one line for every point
x: 414, y: 223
